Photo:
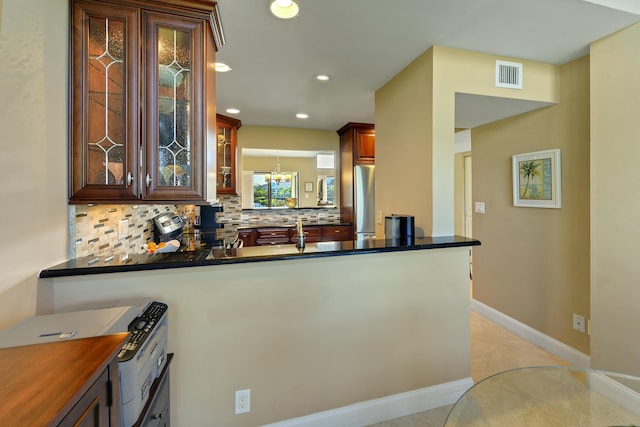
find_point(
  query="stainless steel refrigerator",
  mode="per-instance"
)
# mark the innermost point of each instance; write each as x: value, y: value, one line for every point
x: 364, y: 185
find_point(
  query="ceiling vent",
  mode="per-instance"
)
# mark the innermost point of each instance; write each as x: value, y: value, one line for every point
x: 509, y: 75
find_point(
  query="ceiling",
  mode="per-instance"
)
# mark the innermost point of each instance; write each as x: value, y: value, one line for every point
x: 362, y: 44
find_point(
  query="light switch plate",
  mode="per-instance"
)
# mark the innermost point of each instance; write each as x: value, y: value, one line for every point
x: 123, y: 229
x: 479, y: 207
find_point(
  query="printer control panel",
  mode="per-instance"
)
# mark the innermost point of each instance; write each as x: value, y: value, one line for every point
x: 140, y: 328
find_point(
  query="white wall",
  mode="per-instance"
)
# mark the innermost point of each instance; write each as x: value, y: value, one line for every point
x: 33, y: 143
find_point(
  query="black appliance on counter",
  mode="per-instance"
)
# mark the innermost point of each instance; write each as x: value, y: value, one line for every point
x: 400, y: 228
x: 207, y: 227
x: 171, y: 226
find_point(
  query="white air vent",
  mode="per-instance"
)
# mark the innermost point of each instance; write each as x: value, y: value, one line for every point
x: 509, y: 74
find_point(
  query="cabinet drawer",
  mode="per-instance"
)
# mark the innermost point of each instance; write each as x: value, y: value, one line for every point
x: 272, y: 236
x: 313, y: 234
x: 337, y: 233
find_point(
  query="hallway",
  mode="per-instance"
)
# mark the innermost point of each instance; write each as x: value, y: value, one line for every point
x: 493, y: 349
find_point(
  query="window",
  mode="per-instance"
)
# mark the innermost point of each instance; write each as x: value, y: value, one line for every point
x: 326, y: 190
x: 270, y: 191
x: 325, y: 161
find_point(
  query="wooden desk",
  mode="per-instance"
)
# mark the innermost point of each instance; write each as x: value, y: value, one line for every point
x: 60, y: 383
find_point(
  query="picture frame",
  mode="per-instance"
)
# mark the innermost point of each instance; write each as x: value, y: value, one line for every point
x: 308, y: 187
x: 537, y: 179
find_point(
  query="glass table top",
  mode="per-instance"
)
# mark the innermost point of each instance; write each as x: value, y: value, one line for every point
x: 550, y: 396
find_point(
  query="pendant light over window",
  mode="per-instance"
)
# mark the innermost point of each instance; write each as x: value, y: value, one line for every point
x: 276, y: 174
x: 284, y: 9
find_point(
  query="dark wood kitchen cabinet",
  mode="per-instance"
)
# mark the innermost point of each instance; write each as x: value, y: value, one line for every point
x: 360, y: 140
x: 142, y: 100
x: 263, y: 236
x: 227, y: 132
x: 357, y: 147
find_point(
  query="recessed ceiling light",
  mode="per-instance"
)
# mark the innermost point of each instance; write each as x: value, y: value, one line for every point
x: 232, y: 110
x: 222, y: 68
x: 322, y: 77
x: 284, y: 9
x: 302, y: 116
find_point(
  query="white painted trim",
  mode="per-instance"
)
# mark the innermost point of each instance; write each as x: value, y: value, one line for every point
x: 462, y: 141
x: 615, y: 391
x: 384, y: 408
x: 535, y: 337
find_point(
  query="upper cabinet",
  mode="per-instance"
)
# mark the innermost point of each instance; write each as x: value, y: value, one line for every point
x: 357, y: 147
x: 227, y: 131
x: 142, y: 100
x: 360, y: 140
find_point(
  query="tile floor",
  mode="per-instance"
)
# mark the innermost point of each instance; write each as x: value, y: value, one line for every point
x: 493, y: 349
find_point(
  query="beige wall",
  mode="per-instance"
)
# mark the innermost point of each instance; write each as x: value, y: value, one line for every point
x: 302, y: 341
x: 33, y: 120
x: 403, y: 138
x: 415, y: 122
x: 615, y: 206
x: 533, y: 264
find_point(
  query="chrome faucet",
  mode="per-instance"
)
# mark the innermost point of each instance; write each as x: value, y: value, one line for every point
x: 301, y: 237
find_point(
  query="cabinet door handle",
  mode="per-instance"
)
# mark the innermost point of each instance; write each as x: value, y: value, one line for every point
x: 129, y: 178
x: 148, y: 180
x: 156, y: 416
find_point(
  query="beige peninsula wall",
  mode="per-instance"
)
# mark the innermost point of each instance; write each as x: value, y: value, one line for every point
x: 305, y: 335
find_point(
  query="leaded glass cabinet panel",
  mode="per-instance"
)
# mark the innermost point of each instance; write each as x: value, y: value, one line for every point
x: 104, y: 70
x: 142, y: 100
x: 226, y: 146
x: 173, y: 107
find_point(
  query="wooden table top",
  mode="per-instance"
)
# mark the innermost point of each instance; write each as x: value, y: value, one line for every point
x: 40, y: 383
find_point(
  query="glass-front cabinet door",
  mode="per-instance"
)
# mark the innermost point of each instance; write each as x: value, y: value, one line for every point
x: 142, y: 100
x: 174, y: 137
x: 104, y: 151
x: 227, y: 130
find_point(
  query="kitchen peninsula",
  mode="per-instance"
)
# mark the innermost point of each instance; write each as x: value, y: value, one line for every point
x: 337, y: 324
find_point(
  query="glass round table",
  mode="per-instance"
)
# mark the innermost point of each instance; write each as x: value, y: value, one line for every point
x: 550, y: 396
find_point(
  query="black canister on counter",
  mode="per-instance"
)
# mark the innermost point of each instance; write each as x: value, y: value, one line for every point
x: 399, y: 228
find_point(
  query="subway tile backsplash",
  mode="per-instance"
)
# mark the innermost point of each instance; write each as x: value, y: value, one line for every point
x: 234, y: 217
x: 95, y: 229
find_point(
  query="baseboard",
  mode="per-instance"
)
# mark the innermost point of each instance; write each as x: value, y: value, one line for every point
x: 534, y: 336
x: 615, y: 391
x: 385, y: 408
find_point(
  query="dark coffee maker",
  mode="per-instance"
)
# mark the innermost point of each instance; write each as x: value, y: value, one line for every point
x: 400, y: 229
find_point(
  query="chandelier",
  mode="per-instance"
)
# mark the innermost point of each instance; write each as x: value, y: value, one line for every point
x: 276, y: 174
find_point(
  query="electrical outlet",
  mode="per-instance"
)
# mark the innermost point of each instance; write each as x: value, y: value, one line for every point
x: 379, y: 217
x: 579, y: 323
x: 243, y: 401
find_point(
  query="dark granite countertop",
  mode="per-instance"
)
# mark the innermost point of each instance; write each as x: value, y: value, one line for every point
x: 204, y: 257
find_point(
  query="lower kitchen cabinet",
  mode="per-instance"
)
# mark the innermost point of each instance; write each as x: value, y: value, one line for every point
x: 273, y: 236
x: 337, y: 233
x: 264, y: 236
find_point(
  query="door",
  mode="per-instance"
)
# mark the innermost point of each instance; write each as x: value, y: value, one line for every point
x: 174, y: 132
x: 105, y: 126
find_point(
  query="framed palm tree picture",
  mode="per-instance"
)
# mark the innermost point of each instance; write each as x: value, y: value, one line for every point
x: 536, y: 179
